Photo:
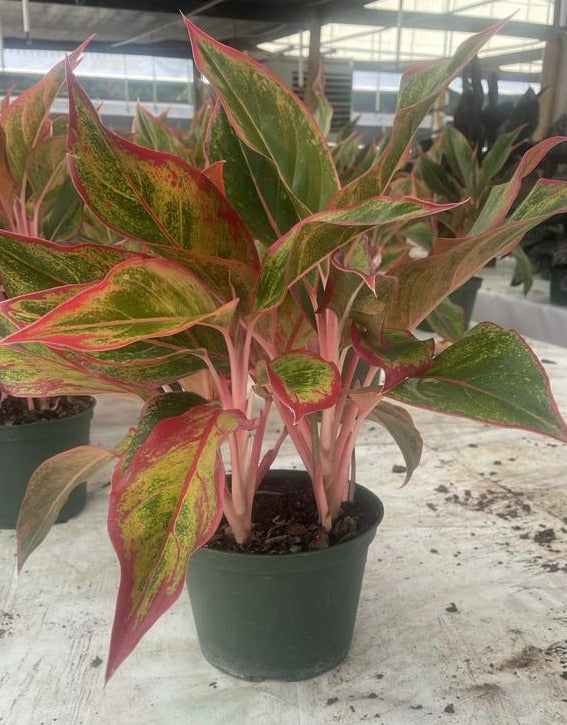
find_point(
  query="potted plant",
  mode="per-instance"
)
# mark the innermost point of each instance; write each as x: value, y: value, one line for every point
x: 37, y: 197
x: 237, y: 294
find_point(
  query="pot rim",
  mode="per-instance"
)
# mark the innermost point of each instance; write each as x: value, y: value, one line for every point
x: 21, y: 431
x: 344, y: 549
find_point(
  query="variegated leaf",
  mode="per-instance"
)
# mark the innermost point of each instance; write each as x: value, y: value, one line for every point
x: 399, y: 354
x: 24, y: 119
x: 167, y: 503
x: 252, y: 183
x: 270, y: 119
x: 490, y: 375
x: 154, y: 133
x: 304, y: 382
x: 424, y: 283
x: 28, y: 264
x: 317, y: 237
x: 419, y: 88
x: 34, y: 370
x: 149, y: 195
x: 502, y: 197
x: 25, y: 309
x: 143, y: 364
x: 156, y: 409
x: 7, y: 186
x: 225, y: 279
x: 286, y: 328
x: 48, y: 490
x: 137, y: 300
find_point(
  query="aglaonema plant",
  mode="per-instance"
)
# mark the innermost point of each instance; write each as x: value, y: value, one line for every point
x: 240, y: 292
x: 37, y: 196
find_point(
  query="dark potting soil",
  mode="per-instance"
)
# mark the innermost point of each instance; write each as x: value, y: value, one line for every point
x: 15, y: 411
x: 284, y: 521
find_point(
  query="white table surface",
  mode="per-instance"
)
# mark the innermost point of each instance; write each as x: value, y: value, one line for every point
x: 532, y: 315
x: 501, y: 658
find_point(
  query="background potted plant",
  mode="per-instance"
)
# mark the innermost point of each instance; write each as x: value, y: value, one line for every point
x: 37, y: 198
x: 240, y: 292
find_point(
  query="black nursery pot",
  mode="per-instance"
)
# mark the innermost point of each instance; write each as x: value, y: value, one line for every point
x: 558, y: 285
x: 280, y: 616
x: 24, y: 447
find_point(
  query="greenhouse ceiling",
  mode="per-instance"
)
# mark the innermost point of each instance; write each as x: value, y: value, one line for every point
x: 386, y: 34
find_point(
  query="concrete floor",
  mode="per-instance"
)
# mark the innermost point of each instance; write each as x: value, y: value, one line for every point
x: 462, y: 619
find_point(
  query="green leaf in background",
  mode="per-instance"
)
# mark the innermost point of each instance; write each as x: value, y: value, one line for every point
x: 447, y: 320
x: 490, y: 375
x: 437, y: 179
x: 323, y: 111
x: 524, y: 269
x: 420, y: 87
x: 46, y: 166
x: 270, y: 119
x: 62, y: 220
x: 398, y: 422
x: 149, y: 195
x: 497, y: 156
x: 461, y: 157
x: 153, y: 133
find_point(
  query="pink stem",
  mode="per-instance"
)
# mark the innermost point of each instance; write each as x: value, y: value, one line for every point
x: 269, y: 457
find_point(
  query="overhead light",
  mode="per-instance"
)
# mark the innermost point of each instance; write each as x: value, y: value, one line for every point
x: 26, y: 18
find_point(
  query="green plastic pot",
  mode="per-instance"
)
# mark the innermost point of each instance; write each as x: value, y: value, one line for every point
x: 280, y: 616
x: 24, y: 447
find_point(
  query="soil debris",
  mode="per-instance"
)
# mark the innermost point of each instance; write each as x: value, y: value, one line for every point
x: 451, y: 608
x: 285, y: 521
x: 15, y: 411
x: 450, y: 708
x: 523, y: 659
x: 545, y: 536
